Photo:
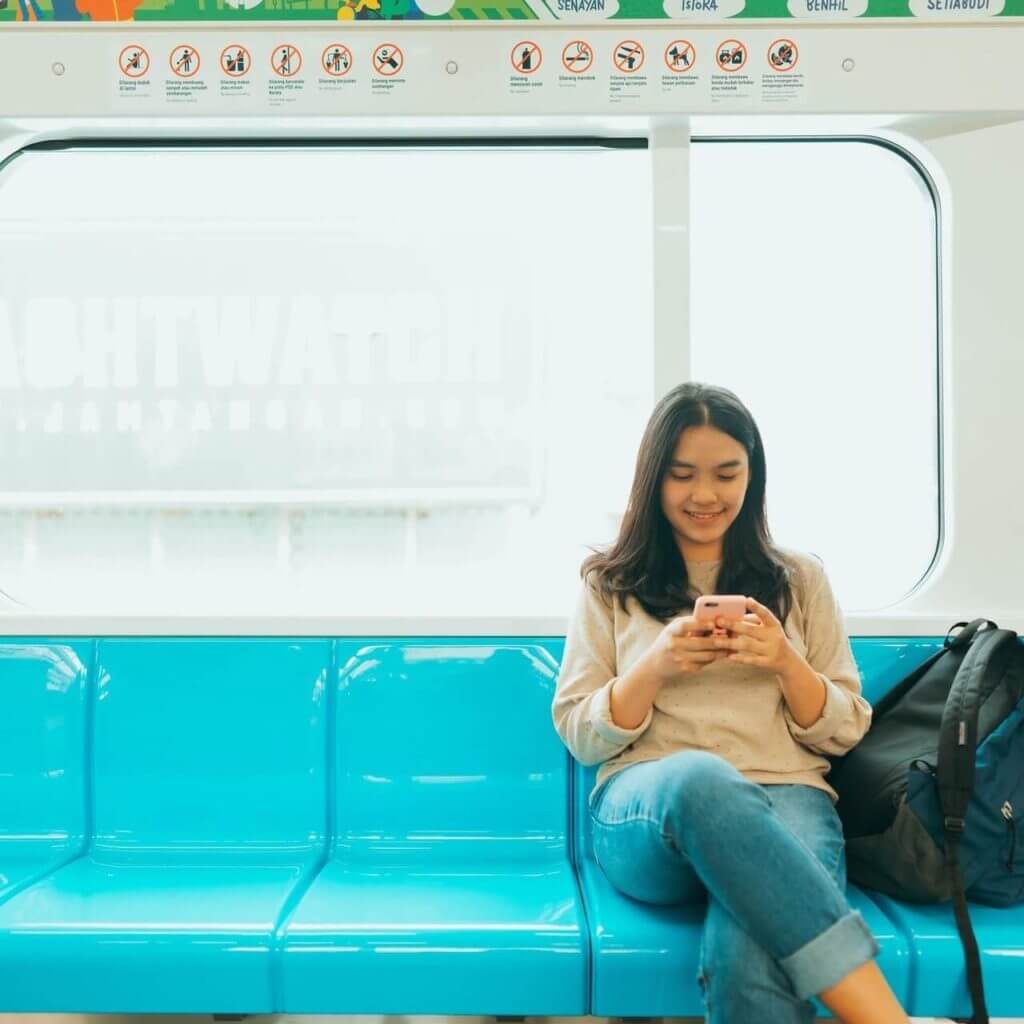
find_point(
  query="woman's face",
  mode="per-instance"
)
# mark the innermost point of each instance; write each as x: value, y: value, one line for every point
x: 709, y: 472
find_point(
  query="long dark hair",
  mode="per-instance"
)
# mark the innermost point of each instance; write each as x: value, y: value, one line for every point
x: 645, y: 560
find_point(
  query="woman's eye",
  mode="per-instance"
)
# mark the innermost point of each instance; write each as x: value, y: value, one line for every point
x: 724, y: 479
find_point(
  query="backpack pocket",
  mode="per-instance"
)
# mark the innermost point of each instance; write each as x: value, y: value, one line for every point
x: 1002, y: 883
x: 998, y: 799
x: 904, y: 861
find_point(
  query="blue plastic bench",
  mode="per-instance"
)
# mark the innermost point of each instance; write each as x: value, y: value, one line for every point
x: 206, y: 814
x: 42, y: 759
x: 937, y: 977
x: 921, y: 955
x: 385, y: 826
x: 449, y: 888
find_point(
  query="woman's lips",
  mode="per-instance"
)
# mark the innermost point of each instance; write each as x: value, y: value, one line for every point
x: 703, y: 519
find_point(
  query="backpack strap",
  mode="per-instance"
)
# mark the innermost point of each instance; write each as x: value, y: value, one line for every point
x: 964, y: 638
x: 963, y: 923
x: 958, y: 741
x: 958, y: 643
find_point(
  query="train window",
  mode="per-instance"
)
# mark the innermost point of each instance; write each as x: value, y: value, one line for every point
x: 338, y: 380
x: 814, y: 296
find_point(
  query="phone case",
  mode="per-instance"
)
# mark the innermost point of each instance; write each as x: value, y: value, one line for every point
x: 710, y: 606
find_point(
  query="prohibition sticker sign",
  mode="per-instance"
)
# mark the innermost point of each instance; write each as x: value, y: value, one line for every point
x: 680, y: 56
x: 133, y: 61
x: 526, y: 57
x: 628, y: 56
x: 783, y: 55
x: 235, y: 60
x: 285, y: 60
x: 388, y: 60
x: 336, y: 60
x: 577, y: 56
x: 731, y: 55
x: 184, y: 61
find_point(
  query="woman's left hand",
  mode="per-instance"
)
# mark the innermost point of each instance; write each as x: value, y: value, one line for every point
x: 758, y: 640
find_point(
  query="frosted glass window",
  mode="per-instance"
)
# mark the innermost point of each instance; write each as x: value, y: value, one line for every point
x: 814, y: 297
x: 391, y: 380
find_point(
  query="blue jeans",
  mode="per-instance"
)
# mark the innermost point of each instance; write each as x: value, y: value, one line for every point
x: 769, y: 859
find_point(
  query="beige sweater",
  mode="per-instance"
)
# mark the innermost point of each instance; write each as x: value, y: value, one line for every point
x: 735, y: 711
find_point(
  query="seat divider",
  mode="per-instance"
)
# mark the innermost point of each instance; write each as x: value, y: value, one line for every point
x: 302, y: 886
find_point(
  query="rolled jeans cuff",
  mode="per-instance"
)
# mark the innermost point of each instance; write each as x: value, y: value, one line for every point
x: 830, y: 957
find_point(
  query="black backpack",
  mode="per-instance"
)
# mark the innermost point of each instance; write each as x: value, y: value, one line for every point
x: 932, y: 798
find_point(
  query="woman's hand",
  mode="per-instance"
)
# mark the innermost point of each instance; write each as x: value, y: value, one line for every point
x: 683, y: 648
x: 758, y: 639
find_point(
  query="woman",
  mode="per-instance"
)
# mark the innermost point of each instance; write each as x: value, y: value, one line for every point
x: 712, y: 780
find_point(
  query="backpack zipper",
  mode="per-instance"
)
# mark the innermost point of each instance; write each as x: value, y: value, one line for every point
x: 1007, y: 810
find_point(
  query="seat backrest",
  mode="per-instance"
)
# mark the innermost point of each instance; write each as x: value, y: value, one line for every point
x: 211, y: 743
x: 882, y: 662
x: 444, y: 751
x: 42, y: 740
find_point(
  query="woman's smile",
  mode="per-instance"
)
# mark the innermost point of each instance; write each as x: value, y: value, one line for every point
x: 702, y: 517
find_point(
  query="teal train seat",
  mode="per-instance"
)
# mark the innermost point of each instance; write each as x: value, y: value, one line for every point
x: 449, y: 888
x: 938, y: 978
x: 939, y: 981
x: 358, y: 825
x: 646, y: 957
x: 207, y: 813
x: 42, y: 761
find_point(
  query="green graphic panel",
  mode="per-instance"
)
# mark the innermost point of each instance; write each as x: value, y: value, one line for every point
x: 765, y: 9
x: 257, y: 10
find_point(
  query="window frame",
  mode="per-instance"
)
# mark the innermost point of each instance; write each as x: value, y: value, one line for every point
x: 918, y: 165
x: 668, y: 142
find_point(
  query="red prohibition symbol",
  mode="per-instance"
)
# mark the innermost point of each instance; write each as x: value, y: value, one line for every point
x: 285, y: 60
x: 628, y: 56
x: 388, y: 60
x: 336, y: 60
x: 526, y: 57
x: 577, y: 56
x: 731, y: 55
x: 184, y: 61
x: 235, y: 60
x: 133, y: 61
x: 680, y: 56
x: 783, y: 55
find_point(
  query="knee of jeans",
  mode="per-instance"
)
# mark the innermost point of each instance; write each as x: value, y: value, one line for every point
x: 697, y: 781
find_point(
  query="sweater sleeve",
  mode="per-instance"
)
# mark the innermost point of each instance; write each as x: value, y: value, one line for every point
x: 846, y: 716
x: 581, y: 710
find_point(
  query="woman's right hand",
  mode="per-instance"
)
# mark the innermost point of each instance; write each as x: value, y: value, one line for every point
x: 683, y: 648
